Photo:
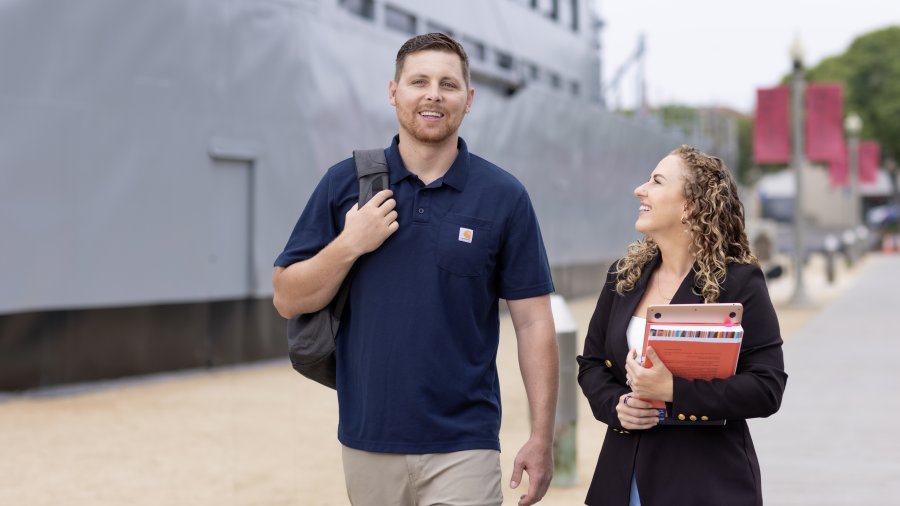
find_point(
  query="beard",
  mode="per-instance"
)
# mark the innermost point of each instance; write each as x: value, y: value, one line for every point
x: 426, y: 133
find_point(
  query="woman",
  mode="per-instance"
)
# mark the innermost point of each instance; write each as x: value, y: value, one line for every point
x: 694, y: 251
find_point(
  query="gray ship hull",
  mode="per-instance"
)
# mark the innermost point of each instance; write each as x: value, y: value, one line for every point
x: 155, y: 156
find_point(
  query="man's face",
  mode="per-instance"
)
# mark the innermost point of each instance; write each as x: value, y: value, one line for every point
x: 431, y: 96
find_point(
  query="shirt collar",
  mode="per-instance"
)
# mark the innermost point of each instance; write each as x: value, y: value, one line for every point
x: 455, y: 177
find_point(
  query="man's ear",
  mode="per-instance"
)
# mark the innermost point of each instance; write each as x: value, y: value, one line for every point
x: 392, y: 90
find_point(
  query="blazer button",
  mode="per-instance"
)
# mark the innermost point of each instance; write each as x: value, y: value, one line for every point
x: 704, y: 418
x: 681, y: 416
x: 608, y: 363
x: 693, y: 418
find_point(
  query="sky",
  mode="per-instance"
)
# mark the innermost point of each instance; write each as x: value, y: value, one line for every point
x: 718, y: 52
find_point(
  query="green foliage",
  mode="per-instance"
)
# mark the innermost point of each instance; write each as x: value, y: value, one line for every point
x: 678, y: 116
x: 745, y: 151
x: 833, y: 68
x: 870, y: 72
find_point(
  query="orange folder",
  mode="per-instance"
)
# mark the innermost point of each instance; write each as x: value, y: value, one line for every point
x: 695, y: 341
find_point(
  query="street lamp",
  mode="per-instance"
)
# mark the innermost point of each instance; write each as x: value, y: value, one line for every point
x: 891, y: 166
x: 853, y: 126
x: 798, y: 88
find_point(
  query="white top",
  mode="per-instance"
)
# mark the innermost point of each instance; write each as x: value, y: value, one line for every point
x: 562, y: 318
x: 635, y: 334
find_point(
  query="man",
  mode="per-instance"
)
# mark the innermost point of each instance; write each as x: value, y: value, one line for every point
x: 417, y: 384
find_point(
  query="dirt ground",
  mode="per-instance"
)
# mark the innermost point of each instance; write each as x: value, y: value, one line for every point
x: 249, y: 435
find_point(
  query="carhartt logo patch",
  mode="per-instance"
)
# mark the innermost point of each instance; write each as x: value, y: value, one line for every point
x: 465, y: 234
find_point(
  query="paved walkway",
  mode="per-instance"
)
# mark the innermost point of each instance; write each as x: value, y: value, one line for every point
x: 260, y: 435
x: 836, y: 440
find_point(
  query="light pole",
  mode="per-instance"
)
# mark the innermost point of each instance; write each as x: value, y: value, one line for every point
x: 890, y: 233
x: 891, y: 167
x: 853, y: 126
x: 798, y: 89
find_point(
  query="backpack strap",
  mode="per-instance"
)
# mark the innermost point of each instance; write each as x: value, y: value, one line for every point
x: 373, y: 176
x: 371, y: 172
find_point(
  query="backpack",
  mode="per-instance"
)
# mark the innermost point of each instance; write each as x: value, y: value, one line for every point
x: 311, y: 336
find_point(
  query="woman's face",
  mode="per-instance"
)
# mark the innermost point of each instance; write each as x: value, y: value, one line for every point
x: 662, y: 202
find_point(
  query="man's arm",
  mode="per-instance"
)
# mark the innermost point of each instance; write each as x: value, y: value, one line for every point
x: 539, y: 362
x: 309, y: 285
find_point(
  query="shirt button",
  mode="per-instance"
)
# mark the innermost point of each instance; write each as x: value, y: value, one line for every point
x: 421, y: 210
x: 609, y: 363
x: 681, y: 416
x: 704, y: 418
x: 693, y: 418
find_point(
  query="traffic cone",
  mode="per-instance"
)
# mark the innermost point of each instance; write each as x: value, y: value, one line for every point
x: 888, y: 243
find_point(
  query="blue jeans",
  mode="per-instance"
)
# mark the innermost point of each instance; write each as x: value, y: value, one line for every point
x: 635, y: 499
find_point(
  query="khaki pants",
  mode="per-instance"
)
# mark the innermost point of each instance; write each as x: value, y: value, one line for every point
x: 465, y: 478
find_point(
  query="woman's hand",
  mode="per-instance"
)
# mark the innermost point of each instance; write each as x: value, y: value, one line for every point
x: 635, y: 414
x: 654, y: 383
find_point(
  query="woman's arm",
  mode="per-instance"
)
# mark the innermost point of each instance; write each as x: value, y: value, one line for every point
x: 596, y: 378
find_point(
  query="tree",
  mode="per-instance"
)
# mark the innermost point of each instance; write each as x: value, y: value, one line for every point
x: 744, y: 167
x: 682, y: 117
x: 870, y: 73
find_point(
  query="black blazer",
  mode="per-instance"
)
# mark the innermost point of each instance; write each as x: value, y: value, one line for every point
x: 700, y: 464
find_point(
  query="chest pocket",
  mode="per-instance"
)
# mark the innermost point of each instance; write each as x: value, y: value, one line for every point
x: 463, y: 245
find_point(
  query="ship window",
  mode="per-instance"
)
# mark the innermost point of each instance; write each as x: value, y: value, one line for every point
x: 362, y: 8
x: 575, y: 88
x: 534, y: 4
x: 574, y: 15
x: 531, y: 71
x: 554, y: 9
x: 555, y: 80
x: 400, y: 20
x: 474, y: 49
x: 504, y: 60
x: 432, y: 27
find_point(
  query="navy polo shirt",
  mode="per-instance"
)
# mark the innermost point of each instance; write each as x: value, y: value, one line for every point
x: 416, y: 351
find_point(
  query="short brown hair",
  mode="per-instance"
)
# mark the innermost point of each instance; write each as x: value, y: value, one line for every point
x: 432, y: 42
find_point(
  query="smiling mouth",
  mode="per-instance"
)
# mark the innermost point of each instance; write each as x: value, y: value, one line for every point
x: 643, y: 209
x: 431, y: 114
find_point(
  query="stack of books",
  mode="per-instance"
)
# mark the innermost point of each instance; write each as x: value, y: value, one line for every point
x: 704, y: 346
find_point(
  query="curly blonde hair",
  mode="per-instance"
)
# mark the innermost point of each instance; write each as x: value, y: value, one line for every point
x: 716, y: 224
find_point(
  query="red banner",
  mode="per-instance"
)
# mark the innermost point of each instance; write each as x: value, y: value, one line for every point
x: 772, y: 128
x: 869, y: 160
x: 838, y: 172
x: 824, y: 122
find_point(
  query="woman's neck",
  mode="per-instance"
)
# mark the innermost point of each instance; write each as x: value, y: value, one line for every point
x: 676, y: 258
